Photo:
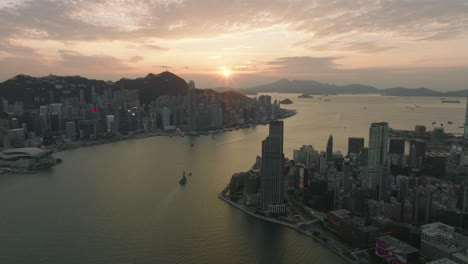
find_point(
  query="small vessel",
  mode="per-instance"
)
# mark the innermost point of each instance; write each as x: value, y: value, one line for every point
x: 327, y: 100
x: 364, y: 107
x: 190, y: 174
x: 449, y: 122
x: 441, y: 124
x: 192, y: 145
x: 433, y: 123
x: 183, y: 180
x: 451, y: 101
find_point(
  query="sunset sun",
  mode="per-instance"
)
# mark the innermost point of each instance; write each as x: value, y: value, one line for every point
x: 227, y: 73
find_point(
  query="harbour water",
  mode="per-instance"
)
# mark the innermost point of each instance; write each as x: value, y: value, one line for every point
x: 122, y: 202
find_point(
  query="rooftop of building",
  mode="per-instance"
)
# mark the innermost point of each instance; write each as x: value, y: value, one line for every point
x: 461, y: 255
x: 439, y: 226
x: 406, y: 248
x: 438, y: 154
x: 342, y: 213
x: 441, y: 261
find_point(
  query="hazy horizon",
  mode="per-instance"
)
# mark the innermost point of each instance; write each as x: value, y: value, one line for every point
x: 378, y: 43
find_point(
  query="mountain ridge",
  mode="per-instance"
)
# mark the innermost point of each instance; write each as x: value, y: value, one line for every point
x: 317, y: 88
x: 36, y: 91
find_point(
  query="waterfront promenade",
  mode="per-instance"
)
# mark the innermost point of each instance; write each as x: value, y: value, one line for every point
x: 310, y: 229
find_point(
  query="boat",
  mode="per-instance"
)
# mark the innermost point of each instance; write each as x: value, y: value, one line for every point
x: 192, y: 145
x: 433, y: 123
x: 449, y: 122
x: 190, y: 174
x: 183, y: 180
x: 327, y: 100
x: 441, y: 124
x: 451, y: 101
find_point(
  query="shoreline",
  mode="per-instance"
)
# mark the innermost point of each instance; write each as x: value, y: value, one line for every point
x: 142, y: 135
x: 335, y: 250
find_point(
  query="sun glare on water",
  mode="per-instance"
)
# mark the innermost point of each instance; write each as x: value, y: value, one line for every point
x: 226, y: 73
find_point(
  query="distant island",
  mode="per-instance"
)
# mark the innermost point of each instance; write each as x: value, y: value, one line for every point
x: 305, y: 96
x: 286, y: 101
x: 308, y: 87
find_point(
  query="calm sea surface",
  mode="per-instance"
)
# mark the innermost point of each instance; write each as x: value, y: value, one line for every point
x: 121, y: 202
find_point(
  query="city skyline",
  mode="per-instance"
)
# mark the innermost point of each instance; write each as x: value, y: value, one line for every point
x: 383, y: 44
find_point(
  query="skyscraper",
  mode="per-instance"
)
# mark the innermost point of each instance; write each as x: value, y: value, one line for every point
x: 273, y: 167
x: 330, y: 149
x: 465, y: 135
x: 397, y: 145
x: 191, y: 106
x: 377, y: 157
x: 355, y: 145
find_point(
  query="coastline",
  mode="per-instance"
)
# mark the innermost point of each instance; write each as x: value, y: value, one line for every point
x: 89, y: 143
x: 334, y: 246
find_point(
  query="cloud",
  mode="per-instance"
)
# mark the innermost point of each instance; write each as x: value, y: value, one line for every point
x: 74, y: 61
x: 154, y: 47
x: 360, y: 46
x: 125, y: 19
x: 136, y: 59
x: 297, y: 66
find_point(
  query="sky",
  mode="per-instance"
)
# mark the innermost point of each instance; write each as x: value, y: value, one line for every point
x: 383, y: 43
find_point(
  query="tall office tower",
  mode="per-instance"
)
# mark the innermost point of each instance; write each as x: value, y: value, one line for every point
x: 191, y: 106
x: 420, y: 155
x: 323, y: 164
x: 347, y: 177
x: 273, y: 166
x: 377, y: 157
x: 465, y: 135
x: 419, y: 130
x: 93, y: 95
x: 82, y: 97
x: 330, y: 149
x: 355, y: 145
x: 397, y: 146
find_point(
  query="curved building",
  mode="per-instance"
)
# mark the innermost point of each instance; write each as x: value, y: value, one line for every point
x: 28, y: 158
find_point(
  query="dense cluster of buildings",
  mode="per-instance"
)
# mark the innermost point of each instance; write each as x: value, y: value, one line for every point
x: 405, y: 191
x: 103, y: 112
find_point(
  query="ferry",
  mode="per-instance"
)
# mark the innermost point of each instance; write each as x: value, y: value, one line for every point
x: 183, y: 180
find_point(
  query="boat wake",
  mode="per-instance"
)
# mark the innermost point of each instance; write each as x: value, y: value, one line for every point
x: 231, y: 141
